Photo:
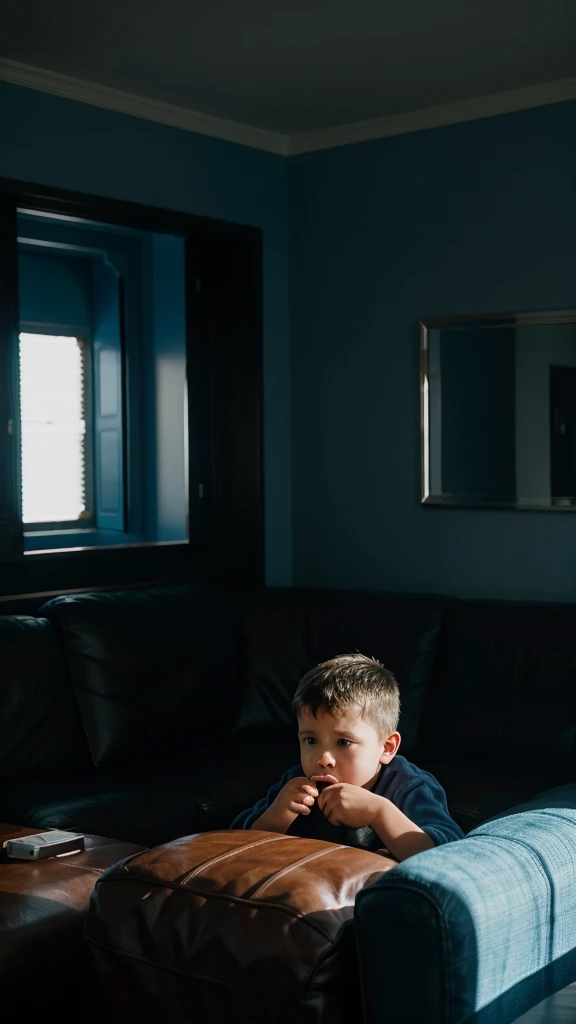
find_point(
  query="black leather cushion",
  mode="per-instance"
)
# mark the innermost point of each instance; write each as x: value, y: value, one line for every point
x: 275, y: 656
x: 154, y: 801
x: 505, y: 689
x: 560, y: 796
x: 40, y: 728
x: 401, y: 631
x: 155, y: 670
x: 476, y: 791
x: 116, y: 804
x: 288, y: 632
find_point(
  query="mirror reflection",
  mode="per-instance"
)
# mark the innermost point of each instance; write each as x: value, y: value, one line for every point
x: 499, y: 411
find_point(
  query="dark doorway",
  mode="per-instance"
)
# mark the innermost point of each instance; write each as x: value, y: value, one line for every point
x: 563, y: 432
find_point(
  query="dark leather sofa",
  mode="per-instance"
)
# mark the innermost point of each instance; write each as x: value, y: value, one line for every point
x: 147, y: 715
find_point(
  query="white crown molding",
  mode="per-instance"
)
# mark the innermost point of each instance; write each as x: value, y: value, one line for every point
x: 139, y: 106
x: 276, y: 142
x: 434, y: 117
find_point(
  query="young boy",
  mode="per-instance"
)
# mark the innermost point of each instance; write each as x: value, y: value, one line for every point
x: 352, y: 786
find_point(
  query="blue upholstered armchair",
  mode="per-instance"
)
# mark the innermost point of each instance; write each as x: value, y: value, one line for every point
x: 474, y: 932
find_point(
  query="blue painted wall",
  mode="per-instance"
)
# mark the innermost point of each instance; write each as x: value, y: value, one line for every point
x: 470, y: 218
x: 64, y: 144
x: 465, y: 219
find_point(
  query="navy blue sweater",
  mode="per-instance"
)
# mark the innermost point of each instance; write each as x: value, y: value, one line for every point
x: 415, y: 792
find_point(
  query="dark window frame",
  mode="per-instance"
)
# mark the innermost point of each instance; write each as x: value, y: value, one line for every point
x: 224, y: 381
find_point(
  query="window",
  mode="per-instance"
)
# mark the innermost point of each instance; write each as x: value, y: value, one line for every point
x: 53, y: 429
x: 130, y: 393
x: 102, y: 383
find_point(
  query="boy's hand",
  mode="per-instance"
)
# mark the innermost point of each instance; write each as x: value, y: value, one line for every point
x: 296, y: 797
x: 352, y: 806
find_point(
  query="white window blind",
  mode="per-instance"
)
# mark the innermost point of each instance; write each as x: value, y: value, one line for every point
x: 53, y: 428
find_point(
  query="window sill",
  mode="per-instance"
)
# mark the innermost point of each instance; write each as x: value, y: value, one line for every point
x: 94, y: 548
x: 62, y: 532
x: 47, y: 541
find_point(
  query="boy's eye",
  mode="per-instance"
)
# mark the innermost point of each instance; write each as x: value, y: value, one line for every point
x: 345, y: 743
x: 309, y: 740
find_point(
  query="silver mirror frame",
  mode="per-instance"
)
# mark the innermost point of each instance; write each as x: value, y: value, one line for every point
x: 494, y: 320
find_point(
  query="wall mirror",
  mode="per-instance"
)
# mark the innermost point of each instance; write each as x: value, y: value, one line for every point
x: 498, y: 400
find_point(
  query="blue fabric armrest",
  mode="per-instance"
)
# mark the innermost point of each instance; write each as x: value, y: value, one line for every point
x: 475, y: 931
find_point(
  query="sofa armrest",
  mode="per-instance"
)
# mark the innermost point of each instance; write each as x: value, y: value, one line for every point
x: 475, y: 931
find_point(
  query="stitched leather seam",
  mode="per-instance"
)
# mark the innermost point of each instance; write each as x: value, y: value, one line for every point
x: 83, y: 867
x: 298, y: 915
x: 227, y: 855
x: 290, y: 867
x: 160, y: 965
x: 15, y: 965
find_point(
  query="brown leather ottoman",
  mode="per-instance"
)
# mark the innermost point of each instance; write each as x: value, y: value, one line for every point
x: 43, y: 910
x: 232, y: 926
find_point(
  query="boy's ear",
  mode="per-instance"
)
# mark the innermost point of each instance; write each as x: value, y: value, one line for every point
x: 390, y: 748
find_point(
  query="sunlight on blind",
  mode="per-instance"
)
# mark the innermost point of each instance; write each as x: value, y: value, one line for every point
x: 53, y: 428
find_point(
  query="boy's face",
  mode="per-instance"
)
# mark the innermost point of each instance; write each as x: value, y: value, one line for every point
x: 343, y: 745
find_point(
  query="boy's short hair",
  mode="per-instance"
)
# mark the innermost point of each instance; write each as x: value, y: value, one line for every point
x: 347, y: 680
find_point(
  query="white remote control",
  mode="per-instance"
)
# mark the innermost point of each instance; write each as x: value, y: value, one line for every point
x: 44, y: 844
